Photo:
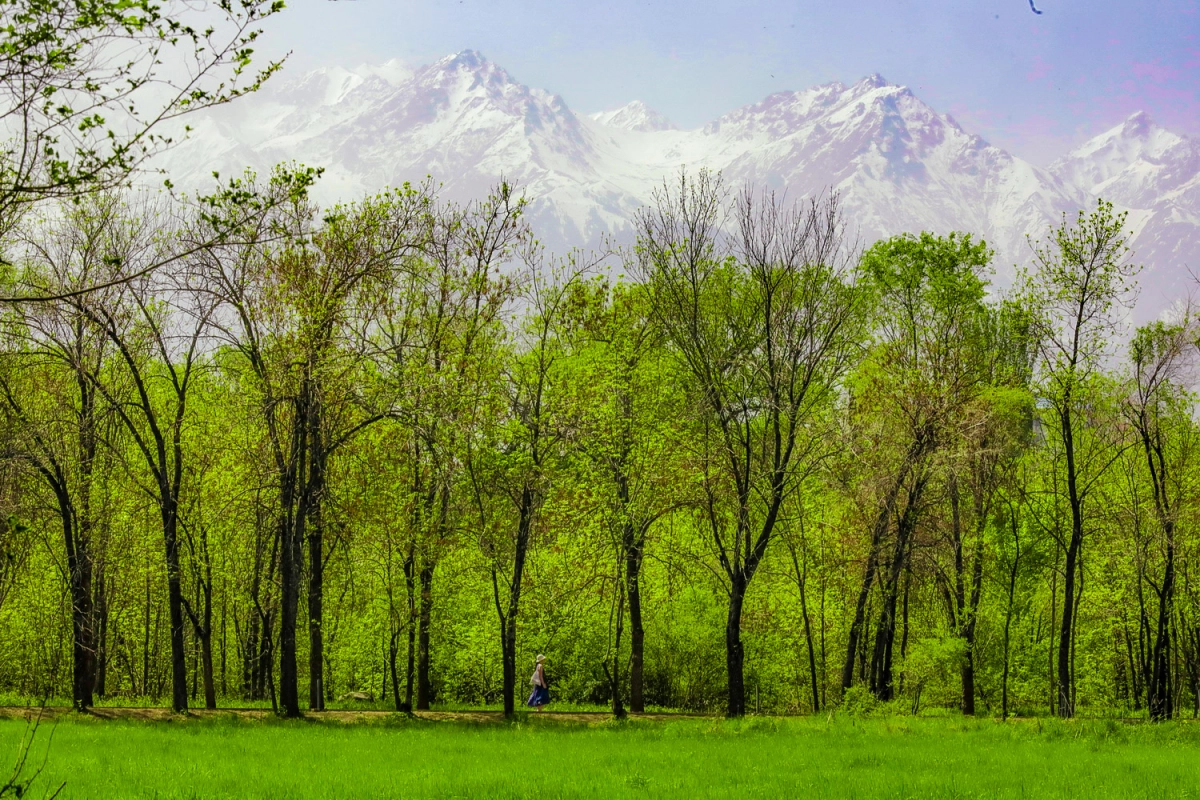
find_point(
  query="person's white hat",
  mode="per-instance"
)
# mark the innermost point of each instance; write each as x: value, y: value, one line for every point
x: 540, y: 658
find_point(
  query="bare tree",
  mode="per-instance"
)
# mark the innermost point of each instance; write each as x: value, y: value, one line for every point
x: 1159, y: 411
x: 765, y: 322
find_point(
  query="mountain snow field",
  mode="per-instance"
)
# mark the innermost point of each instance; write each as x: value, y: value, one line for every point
x: 897, y: 164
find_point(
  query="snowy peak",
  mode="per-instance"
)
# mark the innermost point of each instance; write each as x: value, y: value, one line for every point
x: 1133, y: 163
x: 784, y: 113
x: 466, y: 86
x: 635, y: 116
x: 1155, y: 174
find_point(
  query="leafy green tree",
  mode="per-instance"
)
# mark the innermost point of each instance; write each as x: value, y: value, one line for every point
x: 1081, y: 277
x: 928, y: 363
x: 437, y: 330
x: 65, y: 424
x: 300, y: 293
x: 519, y: 447
x: 623, y: 388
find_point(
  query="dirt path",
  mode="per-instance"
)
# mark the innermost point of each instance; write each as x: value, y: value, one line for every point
x: 342, y: 716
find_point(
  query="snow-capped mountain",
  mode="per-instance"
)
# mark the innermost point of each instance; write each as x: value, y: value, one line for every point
x: 898, y: 164
x: 635, y: 116
x: 1155, y: 176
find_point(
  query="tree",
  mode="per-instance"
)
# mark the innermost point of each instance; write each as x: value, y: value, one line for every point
x: 1080, y: 276
x: 157, y: 330
x: 300, y: 295
x: 765, y: 325
x: 65, y: 425
x: 927, y: 365
x: 518, y: 444
x: 1159, y: 410
x: 625, y: 394
x: 436, y: 331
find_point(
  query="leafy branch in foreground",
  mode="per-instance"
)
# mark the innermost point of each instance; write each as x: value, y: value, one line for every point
x: 87, y: 86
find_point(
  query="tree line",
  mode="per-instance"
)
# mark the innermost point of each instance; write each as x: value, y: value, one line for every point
x: 251, y: 446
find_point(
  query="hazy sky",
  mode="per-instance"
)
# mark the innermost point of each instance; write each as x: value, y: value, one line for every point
x: 1032, y: 84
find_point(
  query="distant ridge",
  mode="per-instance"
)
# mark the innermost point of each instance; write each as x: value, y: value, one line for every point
x: 898, y: 164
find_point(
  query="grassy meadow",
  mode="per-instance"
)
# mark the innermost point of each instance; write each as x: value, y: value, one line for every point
x: 547, y: 757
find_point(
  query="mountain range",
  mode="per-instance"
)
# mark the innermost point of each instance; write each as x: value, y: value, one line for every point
x: 898, y: 164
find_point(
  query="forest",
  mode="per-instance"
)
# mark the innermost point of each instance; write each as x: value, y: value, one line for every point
x: 258, y: 452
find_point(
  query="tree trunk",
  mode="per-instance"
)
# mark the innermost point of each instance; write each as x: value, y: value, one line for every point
x: 877, y: 534
x: 614, y: 675
x: 410, y: 625
x: 881, y: 683
x: 316, y: 637
x: 1008, y: 614
x: 294, y: 499
x: 316, y: 558
x: 1159, y: 692
x: 1066, y: 678
x: 84, y: 647
x: 101, y: 612
x: 1066, y: 707
x: 423, y: 695
x: 206, y: 664
x: 526, y: 508
x: 393, y: 651
x: 802, y: 585
x: 179, y: 693
x: 289, y: 573
x: 734, y: 653
x: 79, y: 567
x: 633, y: 570
x: 969, y: 632
x: 812, y: 655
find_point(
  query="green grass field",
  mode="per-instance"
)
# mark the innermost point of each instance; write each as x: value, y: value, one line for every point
x: 547, y: 758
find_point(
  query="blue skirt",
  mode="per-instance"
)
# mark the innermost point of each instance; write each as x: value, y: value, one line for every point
x: 540, y: 697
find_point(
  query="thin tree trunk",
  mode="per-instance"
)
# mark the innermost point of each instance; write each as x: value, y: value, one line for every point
x: 854, y: 640
x: 1008, y: 615
x: 1066, y: 678
x: 508, y: 616
x: 79, y: 568
x: 882, y: 684
x: 393, y: 651
x: 101, y: 609
x: 801, y: 584
x: 614, y: 678
x: 206, y: 664
x: 179, y: 694
x: 410, y: 625
x: 1160, y: 690
x: 426, y: 610
x: 289, y: 573
x: 316, y: 559
x: 633, y: 570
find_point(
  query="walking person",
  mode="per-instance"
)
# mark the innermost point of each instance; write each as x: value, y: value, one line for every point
x: 541, y: 688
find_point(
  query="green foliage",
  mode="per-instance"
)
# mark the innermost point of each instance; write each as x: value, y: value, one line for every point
x: 91, y: 86
x: 853, y: 476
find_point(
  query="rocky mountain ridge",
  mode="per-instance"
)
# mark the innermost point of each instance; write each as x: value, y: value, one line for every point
x: 898, y: 164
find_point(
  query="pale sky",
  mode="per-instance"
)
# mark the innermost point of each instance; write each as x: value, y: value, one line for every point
x: 1035, y: 85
